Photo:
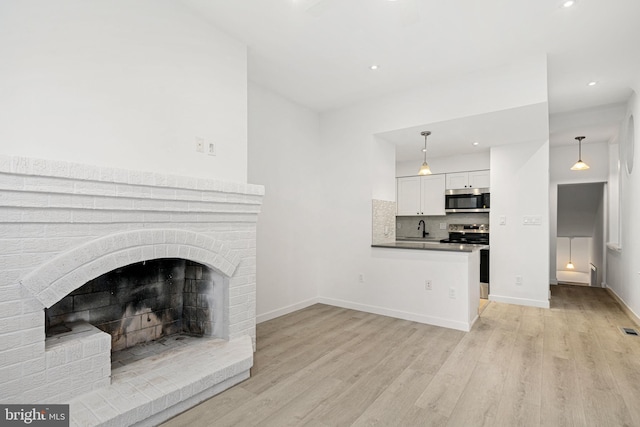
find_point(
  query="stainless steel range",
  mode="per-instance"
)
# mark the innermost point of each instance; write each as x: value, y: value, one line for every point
x: 473, y: 234
x: 468, y: 233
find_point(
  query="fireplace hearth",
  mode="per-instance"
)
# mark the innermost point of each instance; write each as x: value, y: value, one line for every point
x: 123, y: 260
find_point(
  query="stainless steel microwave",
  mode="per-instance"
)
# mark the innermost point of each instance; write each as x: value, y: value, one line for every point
x: 467, y: 200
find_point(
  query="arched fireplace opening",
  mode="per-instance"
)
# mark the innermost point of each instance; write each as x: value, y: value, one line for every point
x: 145, y: 302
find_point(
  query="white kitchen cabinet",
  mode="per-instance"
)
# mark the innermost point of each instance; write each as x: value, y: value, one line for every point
x: 421, y: 195
x: 473, y: 179
x: 408, y: 195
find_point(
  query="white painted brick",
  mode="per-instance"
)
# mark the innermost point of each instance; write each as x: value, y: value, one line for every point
x: 5, y: 163
x: 157, y: 217
x: 40, y: 167
x: 11, y: 246
x: 91, y: 347
x: 17, y: 231
x: 103, y: 382
x: 10, y: 292
x: 32, y: 336
x: 81, y: 369
x: 10, y: 373
x: 25, y: 321
x: 48, y: 297
x: 10, y: 341
x: 80, y: 171
x: 91, y: 216
x: 148, y: 178
x: 33, y: 366
x: 56, y: 356
x: 101, y: 364
x: 59, y: 373
x: 48, y: 184
x: 34, y: 380
x: 13, y: 275
x: 93, y: 187
x: 82, y: 416
x: 35, y: 282
x: 10, y: 215
x: 31, y: 305
x: 16, y: 261
x: 10, y: 309
x: 113, y: 203
x: 238, y: 300
x: 46, y: 215
x: 120, y: 175
x: 183, y: 194
x: 59, y: 168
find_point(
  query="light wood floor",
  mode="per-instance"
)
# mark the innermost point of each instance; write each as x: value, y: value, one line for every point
x: 519, y: 366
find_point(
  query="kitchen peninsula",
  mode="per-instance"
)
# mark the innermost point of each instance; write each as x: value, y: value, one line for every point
x: 436, y: 283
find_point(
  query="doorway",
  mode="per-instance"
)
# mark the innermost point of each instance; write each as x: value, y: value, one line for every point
x: 580, y: 234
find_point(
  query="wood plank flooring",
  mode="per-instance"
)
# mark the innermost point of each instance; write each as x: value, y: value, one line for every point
x: 519, y: 366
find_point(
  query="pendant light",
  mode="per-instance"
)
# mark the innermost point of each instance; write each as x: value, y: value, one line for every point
x: 570, y: 265
x: 425, y: 170
x: 580, y: 165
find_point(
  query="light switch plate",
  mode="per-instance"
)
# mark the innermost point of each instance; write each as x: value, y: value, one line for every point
x: 532, y: 220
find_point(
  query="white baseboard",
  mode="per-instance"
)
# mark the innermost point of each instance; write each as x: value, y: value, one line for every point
x: 519, y: 301
x: 414, y: 317
x: 627, y: 310
x: 285, y: 310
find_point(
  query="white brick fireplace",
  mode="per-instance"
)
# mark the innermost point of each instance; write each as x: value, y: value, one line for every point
x: 63, y: 225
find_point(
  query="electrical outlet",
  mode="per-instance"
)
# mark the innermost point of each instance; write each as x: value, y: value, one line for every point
x: 518, y: 280
x: 200, y: 145
x: 428, y: 285
x: 443, y: 226
x: 361, y: 278
x: 211, y: 149
x: 452, y: 293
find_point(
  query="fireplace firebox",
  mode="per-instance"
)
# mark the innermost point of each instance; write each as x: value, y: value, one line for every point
x: 142, y: 302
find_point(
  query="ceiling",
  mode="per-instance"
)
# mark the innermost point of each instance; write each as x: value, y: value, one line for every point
x: 317, y: 53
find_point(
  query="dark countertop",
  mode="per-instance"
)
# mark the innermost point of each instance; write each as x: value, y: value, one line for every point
x: 430, y: 245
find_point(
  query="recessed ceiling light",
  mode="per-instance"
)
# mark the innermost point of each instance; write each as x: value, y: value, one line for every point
x: 373, y: 67
x: 593, y: 83
x: 568, y: 3
x: 476, y: 143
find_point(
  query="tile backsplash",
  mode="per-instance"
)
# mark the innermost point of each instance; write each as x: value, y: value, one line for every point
x: 407, y: 226
x: 384, y: 220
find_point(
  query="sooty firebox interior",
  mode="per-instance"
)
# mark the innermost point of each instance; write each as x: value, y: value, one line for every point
x: 141, y: 302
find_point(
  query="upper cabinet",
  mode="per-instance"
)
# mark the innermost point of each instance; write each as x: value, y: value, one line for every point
x: 421, y: 195
x: 473, y: 179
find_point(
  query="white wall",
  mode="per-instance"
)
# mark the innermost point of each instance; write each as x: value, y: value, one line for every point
x: 449, y: 164
x: 623, y: 271
x: 598, y: 247
x: 347, y: 136
x: 383, y: 170
x: 122, y: 84
x: 520, y: 187
x: 283, y: 156
x: 562, y: 158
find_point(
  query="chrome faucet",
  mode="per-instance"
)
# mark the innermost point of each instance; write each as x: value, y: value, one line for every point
x: 424, y: 228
